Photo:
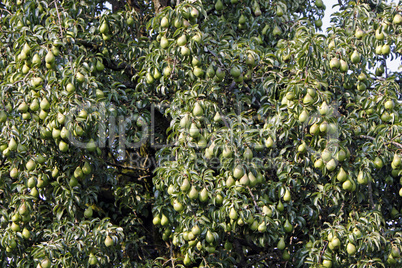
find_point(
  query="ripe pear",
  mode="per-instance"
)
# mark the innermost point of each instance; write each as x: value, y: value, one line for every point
x: 238, y: 172
x: 12, y: 145
x: 287, y: 196
x: 351, y: 249
x: 385, y: 49
x: 233, y: 214
x: 219, y: 5
x: 397, y: 19
x: 319, y: 163
x: 359, y: 33
x: 331, y: 165
x: 396, y: 161
x: 379, y: 35
x: 104, y: 28
x: 344, y: 66
x: 303, y: 116
x: 198, y: 110
x: 342, y: 175
x: 334, y: 64
x: 355, y: 57
x: 269, y: 142
x: 203, y: 195
x: 230, y: 181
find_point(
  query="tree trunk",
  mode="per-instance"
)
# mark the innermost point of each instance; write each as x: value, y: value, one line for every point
x: 159, y: 5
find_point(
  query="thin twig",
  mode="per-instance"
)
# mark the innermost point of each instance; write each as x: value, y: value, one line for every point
x: 370, y: 191
x: 397, y: 144
x: 255, y: 203
x: 58, y: 15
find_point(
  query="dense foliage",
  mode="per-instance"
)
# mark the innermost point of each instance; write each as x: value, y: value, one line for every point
x: 217, y: 133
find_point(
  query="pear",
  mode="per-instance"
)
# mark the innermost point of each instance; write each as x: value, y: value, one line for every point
x: 280, y: 207
x: 92, y: 260
x: 44, y: 104
x: 233, y: 214
x: 248, y: 154
x: 23, y: 210
x: 186, y: 260
x: 277, y: 31
x: 230, y: 181
x: 302, y: 148
x: 334, y: 64
x: 308, y: 99
x: 319, y: 163
x: 238, y: 172
x: 314, y: 129
x: 287, y: 226
x: 303, y: 116
x: 12, y: 145
x: 385, y: 49
x: 361, y: 178
x: 193, y: 194
x: 86, y: 169
x: 396, y: 161
x: 359, y: 33
x: 209, y: 237
x: 319, y: 4
x: 287, y: 196
x: 194, y: 131
x: 164, y: 42
x: 203, y: 195
x: 156, y: 220
x: 397, y: 19
x: 281, y: 244
x: 279, y: 11
x: 109, y: 241
x: 342, y: 175
x: 164, y: 220
x: 324, y: 109
x: 104, y: 28
x: 177, y: 206
x: 219, y: 5
x: 30, y: 165
x: 355, y: 57
x: 285, y: 255
x: 378, y: 163
x: 165, y: 22
x: 331, y: 165
x: 244, y: 180
x: 197, y: 110
x: 351, y: 249
x: 182, y: 40
x: 88, y: 212
x: 344, y: 66
x: 49, y: 58
x: 379, y: 35
x: 252, y: 179
x: 269, y: 142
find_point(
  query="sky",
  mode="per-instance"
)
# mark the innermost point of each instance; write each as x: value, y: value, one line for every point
x: 392, y: 65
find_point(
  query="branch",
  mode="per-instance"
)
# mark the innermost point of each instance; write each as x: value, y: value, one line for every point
x: 255, y: 203
x: 58, y: 15
x: 370, y: 194
x: 397, y: 144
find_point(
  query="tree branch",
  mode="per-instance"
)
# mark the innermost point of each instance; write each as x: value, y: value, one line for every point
x: 397, y: 144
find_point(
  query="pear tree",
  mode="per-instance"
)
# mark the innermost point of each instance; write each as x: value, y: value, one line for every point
x: 202, y: 133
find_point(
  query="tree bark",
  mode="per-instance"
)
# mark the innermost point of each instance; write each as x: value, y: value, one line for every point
x: 159, y: 5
